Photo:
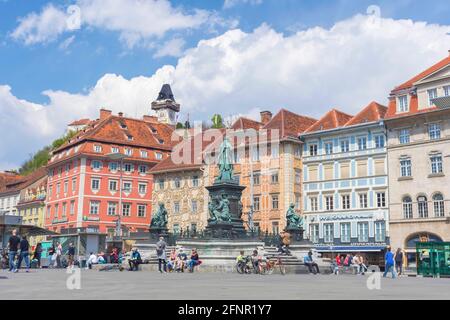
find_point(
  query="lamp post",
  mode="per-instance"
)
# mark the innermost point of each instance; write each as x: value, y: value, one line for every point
x: 118, y: 157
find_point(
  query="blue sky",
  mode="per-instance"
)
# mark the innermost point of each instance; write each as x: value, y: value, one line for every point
x: 210, y: 51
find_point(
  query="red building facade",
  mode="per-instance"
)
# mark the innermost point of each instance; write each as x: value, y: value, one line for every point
x: 84, y: 179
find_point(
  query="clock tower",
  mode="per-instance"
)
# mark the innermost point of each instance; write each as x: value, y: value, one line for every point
x: 165, y: 106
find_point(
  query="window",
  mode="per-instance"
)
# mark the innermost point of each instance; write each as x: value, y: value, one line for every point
x: 345, y: 145
x: 96, y: 165
x: 113, y: 166
x: 123, y: 125
x: 114, y: 150
x: 363, y: 231
x: 67, y: 168
x: 176, y: 207
x: 345, y: 232
x: 72, y: 208
x: 177, y: 183
x: 275, y: 227
x: 66, y: 186
x: 94, y: 207
x: 313, y: 203
x: 297, y: 201
x: 432, y: 94
x: 128, y: 151
x: 362, y: 143
x: 194, y: 206
x: 195, y: 181
x: 380, y: 231
x: 329, y: 203
x: 256, y: 204
x: 328, y: 171
x: 407, y: 207
x: 313, y: 149
x: 129, y: 137
x: 95, y: 184
x: 127, y: 186
x: 144, y: 154
x: 161, y: 184
x: 64, y: 208
x: 274, y: 151
x: 128, y: 167
x: 97, y: 148
x: 328, y: 147
x: 112, y: 208
x: 381, y: 199
x: 447, y: 91
x: 142, y: 169
x: 434, y: 131
x: 158, y: 155
x: 112, y: 185
x: 363, y: 200
x: 275, y: 202
x: 126, y: 209
x: 361, y: 166
x: 403, y: 136
x: 74, y: 185
x: 436, y: 164
x: 379, y: 167
x: 328, y: 232
x: 298, y: 177
x: 438, y: 205
x: 314, y: 233
x: 312, y: 173
x: 274, y: 178
x: 379, y: 141
x: 297, y: 151
x: 142, y: 208
x: 56, y: 211
x: 345, y: 201
x: 142, y: 188
x: 403, y: 104
x: 256, y: 178
x: 405, y: 168
x: 422, y: 206
x: 255, y: 154
x: 345, y: 170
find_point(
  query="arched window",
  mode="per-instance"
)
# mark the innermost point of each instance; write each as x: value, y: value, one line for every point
x: 422, y: 206
x: 438, y: 205
x: 407, y: 207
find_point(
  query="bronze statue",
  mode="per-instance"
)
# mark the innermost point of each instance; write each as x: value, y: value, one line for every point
x: 220, y: 212
x: 293, y: 219
x: 159, y: 219
x: 225, y: 161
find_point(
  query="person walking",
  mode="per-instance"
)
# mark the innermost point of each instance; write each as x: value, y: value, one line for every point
x: 389, y: 263
x: 362, y: 266
x: 13, y: 246
x: 51, y: 252
x: 37, y: 254
x: 58, y: 254
x: 70, y: 255
x: 24, y: 254
x: 161, y: 254
x: 398, y: 258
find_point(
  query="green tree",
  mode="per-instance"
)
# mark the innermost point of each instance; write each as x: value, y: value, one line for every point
x: 217, y: 121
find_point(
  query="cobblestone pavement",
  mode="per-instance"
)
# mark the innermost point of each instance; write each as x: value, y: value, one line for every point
x: 52, y: 284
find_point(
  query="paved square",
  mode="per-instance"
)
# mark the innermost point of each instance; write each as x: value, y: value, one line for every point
x: 51, y: 284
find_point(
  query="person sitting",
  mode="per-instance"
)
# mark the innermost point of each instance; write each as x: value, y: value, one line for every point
x: 194, y: 261
x: 312, y: 266
x: 101, y: 258
x: 135, y: 260
x: 114, y: 256
x: 180, y: 263
x: 91, y: 260
x: 172, y: 260
x: 240, y: 257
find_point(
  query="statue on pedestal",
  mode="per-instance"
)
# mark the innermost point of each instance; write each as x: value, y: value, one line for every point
x: 221, y: 211
x: 225, y: 161
x: 293, y: 219
x: 159, y: 219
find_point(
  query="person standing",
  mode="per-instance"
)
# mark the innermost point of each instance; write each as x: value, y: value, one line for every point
x: 51, y: 252
x: 58, y: 254
x: 24, y: 254
x: 398, y: 258
x: 13, y: 245
x: 71, y: 255
x: 389, y: 263
x: 37, y: 254
x: 161, y: 254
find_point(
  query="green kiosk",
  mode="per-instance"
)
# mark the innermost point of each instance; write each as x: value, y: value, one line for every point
x: 433, y: 259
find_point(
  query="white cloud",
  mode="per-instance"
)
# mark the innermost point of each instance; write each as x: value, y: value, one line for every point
x: 346, y: 66
x: 136, y: 21
x: 64, y: 45
x: 171, y: 48
x: 232, y: 3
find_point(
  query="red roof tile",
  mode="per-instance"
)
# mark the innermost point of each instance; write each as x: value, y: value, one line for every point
x: 373, y: 112
x: 331, y: 120
x: 24, y: 181
x: 245, y: 123
x: 80, y: 122
x: 289, y: 123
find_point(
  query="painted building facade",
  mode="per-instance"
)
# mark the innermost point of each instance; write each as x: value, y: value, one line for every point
x: 418, y: 131
x: 345, y: 183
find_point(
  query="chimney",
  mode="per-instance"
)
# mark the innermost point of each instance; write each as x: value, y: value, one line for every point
x: 104, y: 113
x: 266, y: 116
x: 120, y: 114
x: 151, y: 119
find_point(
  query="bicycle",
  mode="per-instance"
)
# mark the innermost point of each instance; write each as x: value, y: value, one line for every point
x: 271, y: 264
x: 243, y: 267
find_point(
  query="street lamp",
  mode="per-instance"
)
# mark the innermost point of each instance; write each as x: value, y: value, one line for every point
x: 118, y: 157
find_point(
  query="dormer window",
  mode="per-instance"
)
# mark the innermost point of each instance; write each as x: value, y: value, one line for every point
x: 144, y: 154
x: 447, y: 91
x: 115, y: 150
x: 403, y: 104
x: 128, y: 151
x: 97, y: 148
x: 129, y: 137
x: 161, y: 141
x: 158, y: 155
x: 153, y: 130
x: 123, y: 126
x: 432, y: 94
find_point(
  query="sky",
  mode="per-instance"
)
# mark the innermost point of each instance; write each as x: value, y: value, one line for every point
x: 63, y: 60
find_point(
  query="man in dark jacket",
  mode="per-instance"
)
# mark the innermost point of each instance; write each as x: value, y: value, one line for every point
x: 13, y: 245
x: 24, y: 254
x: 135, y: 260
x: 70, y: 255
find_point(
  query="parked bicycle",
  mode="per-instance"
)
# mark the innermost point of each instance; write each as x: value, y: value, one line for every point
x: 271, y: 264
x: 244, y: 266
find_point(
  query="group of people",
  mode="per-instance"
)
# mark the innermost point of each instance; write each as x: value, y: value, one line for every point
x: 356, y: 261
x: 18, y: 247
x: 178, y: 260
x: 393, y: 262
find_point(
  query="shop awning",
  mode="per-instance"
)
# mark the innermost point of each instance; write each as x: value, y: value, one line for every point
x: 350, y: 248
x: 30, y: 230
